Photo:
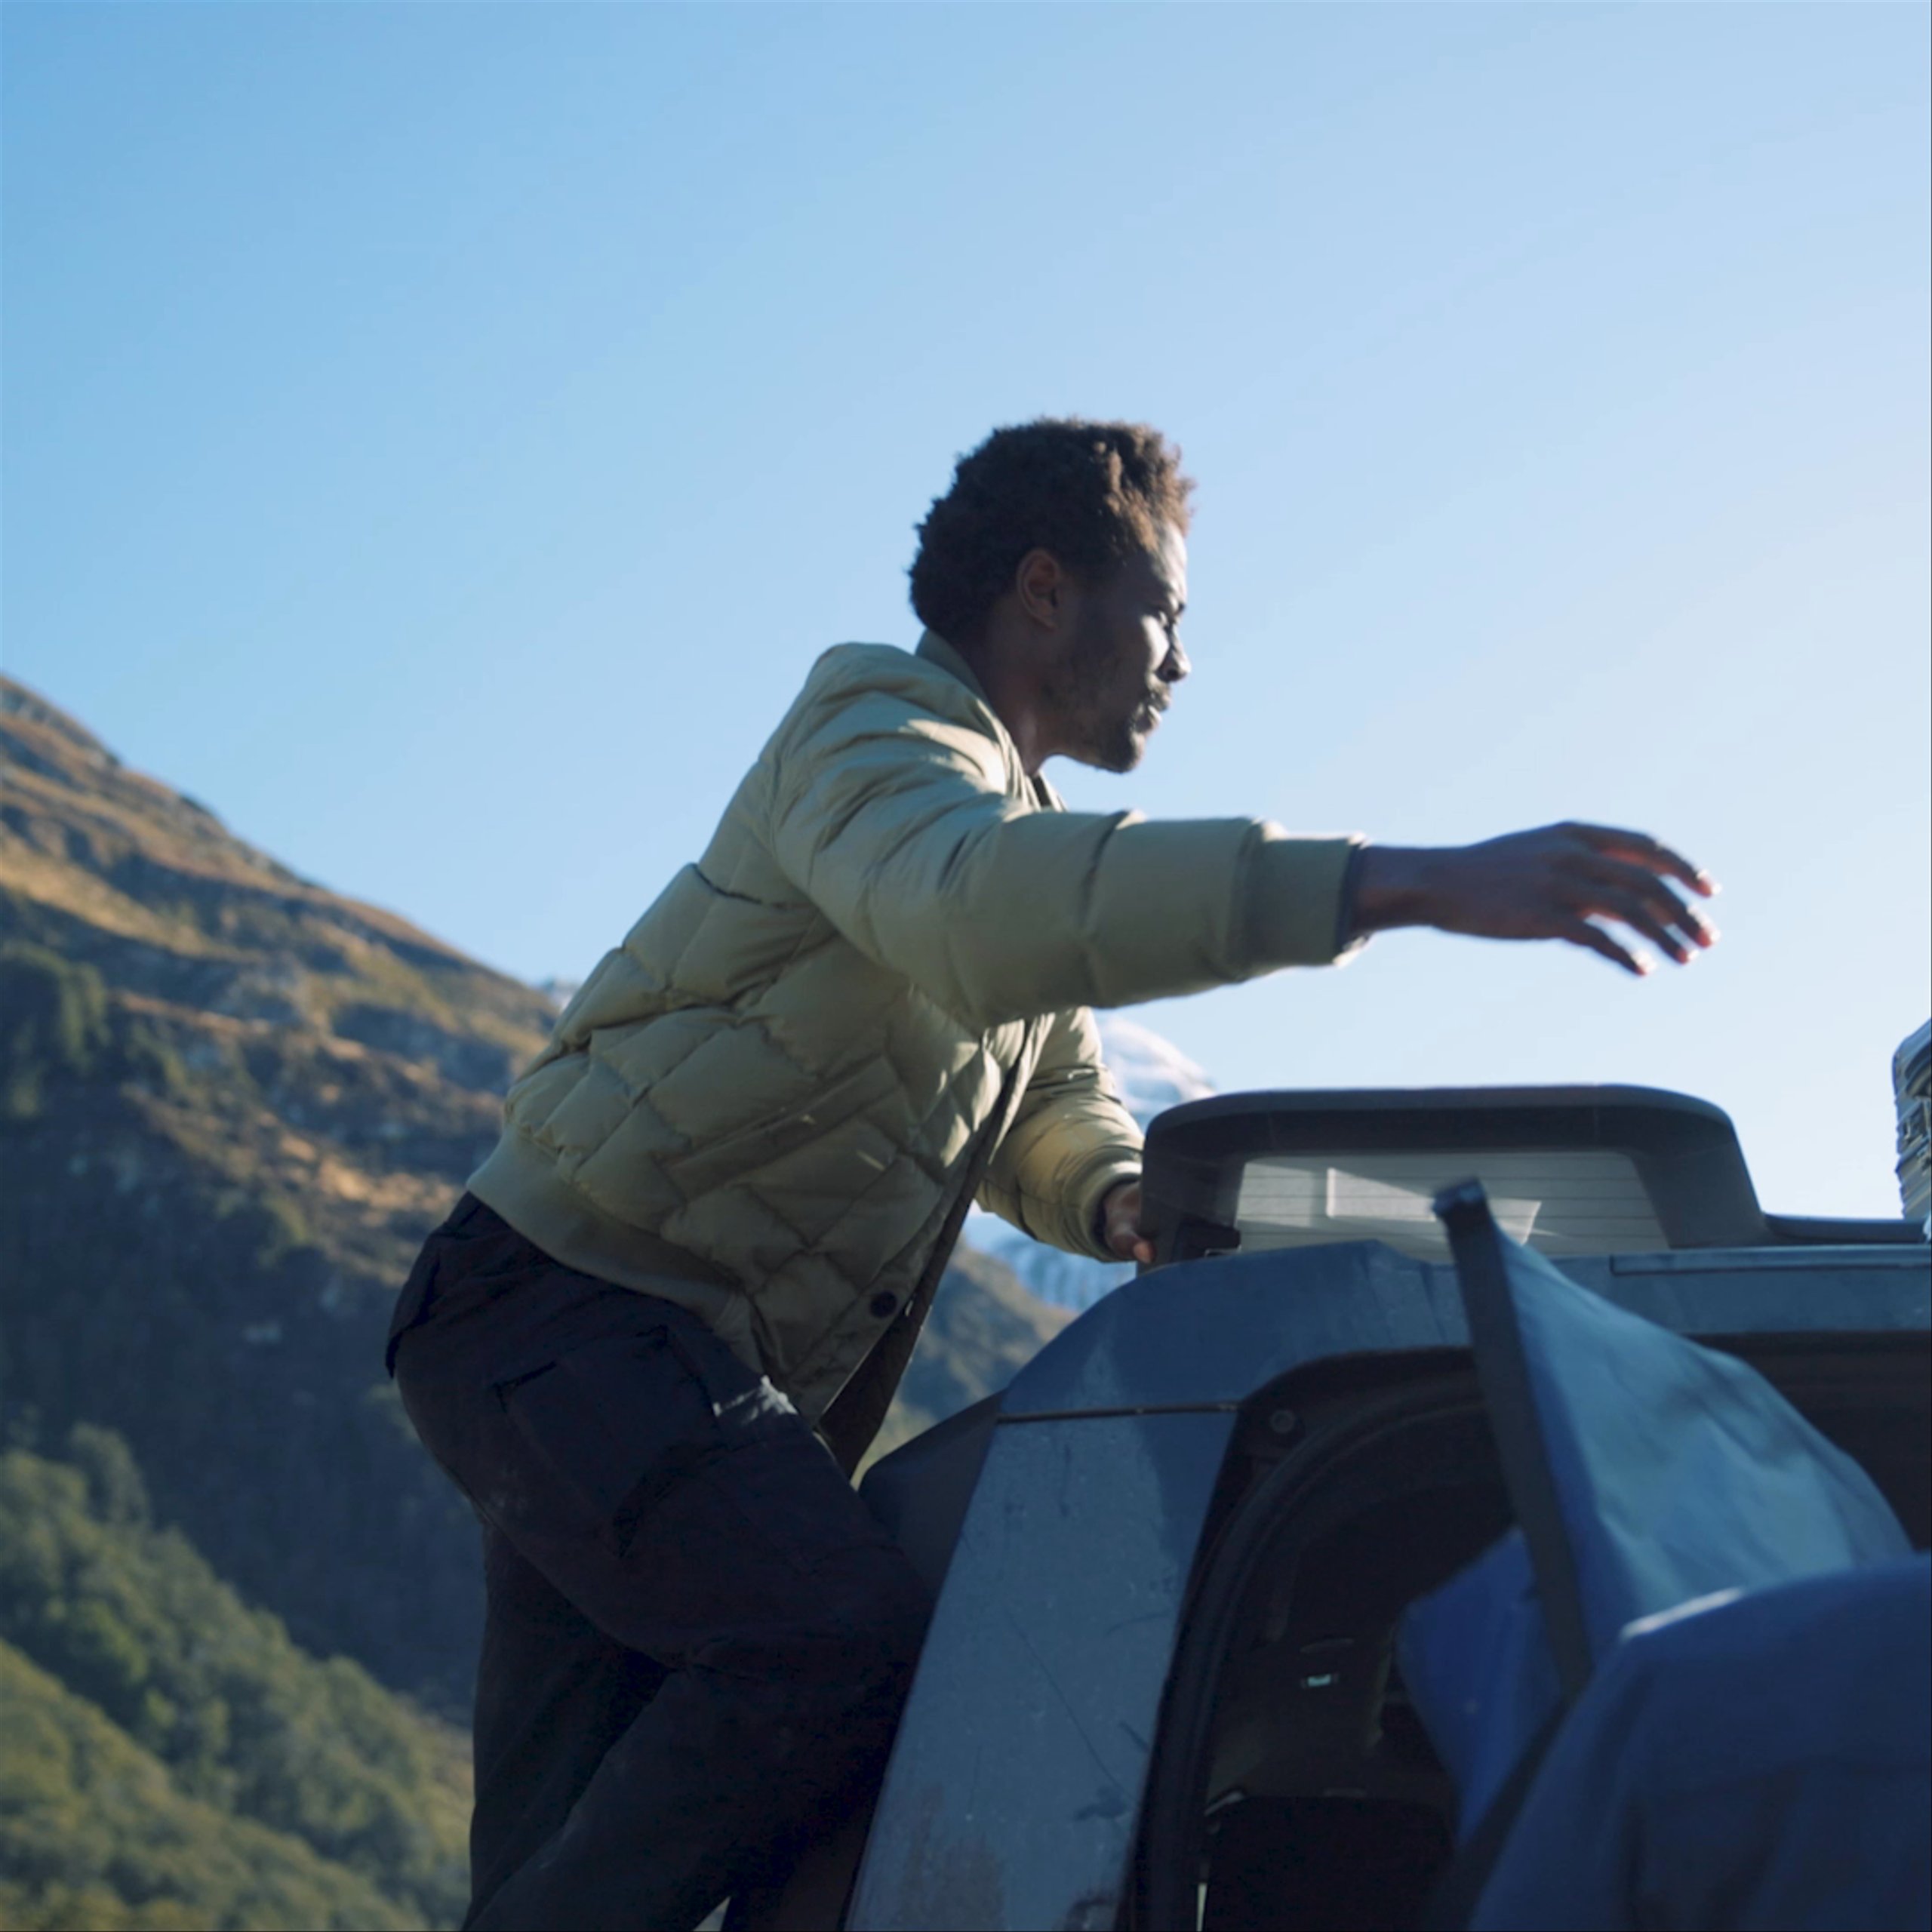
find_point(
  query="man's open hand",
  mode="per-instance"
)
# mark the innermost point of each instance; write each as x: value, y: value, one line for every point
x: 1120, y: 1215
x: 1556, y: 883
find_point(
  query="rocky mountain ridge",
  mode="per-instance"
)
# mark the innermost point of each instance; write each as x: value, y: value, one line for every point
x: 233, y: 1103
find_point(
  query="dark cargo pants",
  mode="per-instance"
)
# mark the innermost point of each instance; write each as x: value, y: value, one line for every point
x: 698, y: 1637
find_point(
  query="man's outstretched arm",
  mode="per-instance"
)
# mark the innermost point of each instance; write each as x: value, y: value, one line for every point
x: 1554, y: 883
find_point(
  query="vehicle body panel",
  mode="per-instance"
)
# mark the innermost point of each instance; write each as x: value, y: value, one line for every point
x: 1014, y: 1793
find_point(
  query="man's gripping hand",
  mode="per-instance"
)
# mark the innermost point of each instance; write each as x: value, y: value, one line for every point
x: 1556, y: 883
x: 1120, y: 1220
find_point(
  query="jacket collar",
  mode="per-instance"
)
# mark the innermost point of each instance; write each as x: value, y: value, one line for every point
x: 935, y: 650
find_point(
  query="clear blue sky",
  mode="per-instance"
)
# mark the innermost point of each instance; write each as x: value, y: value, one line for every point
x: 439, y: 437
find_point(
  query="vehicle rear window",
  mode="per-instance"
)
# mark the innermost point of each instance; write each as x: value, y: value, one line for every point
x: 1561, y: 1201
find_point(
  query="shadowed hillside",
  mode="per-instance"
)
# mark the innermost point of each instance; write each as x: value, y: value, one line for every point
x: 231, y: 1102
x: 172, y: 1759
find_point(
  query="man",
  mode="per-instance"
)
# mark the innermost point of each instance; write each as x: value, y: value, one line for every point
x: 725, y: 1192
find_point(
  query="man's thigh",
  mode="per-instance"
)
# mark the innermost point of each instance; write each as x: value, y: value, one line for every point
x: 667, y: 1491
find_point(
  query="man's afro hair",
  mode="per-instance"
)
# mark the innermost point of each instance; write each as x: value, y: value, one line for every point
x: 1094, y: 493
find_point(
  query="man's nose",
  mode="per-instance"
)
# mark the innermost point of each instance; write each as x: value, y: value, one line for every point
x: 1176, y: 665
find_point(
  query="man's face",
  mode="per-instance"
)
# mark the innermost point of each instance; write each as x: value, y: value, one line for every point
x: 1122, y: 657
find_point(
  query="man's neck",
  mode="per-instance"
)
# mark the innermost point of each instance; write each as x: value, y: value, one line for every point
x: 1014, y: 695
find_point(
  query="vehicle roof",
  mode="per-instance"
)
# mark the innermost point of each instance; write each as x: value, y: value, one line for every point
x: 1208, y: 1333
x: 1603, y: 1168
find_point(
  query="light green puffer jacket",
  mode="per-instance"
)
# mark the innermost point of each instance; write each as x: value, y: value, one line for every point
x: 763, y: 1104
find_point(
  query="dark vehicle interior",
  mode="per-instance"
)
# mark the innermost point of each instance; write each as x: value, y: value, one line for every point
x: 1293, y: 1785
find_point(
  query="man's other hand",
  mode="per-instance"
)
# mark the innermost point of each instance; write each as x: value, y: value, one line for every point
x: 1120, y: 1217
x: 1556, y: 883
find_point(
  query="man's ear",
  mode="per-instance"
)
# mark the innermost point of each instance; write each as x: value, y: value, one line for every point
x: 1040, y: 583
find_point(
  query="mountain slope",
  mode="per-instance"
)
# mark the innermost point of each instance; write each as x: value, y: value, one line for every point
x: 94, y: 1833
x: 172, y: 1758
x: 232, y: 1104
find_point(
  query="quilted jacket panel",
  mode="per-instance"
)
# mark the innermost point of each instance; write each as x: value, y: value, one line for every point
x: 779, y: 1075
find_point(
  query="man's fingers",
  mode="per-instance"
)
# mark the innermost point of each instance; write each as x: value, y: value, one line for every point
x: 1651, y: 853
x: 1621, y: 881
x: 1571, y: 882
x: 1627, y: 908
x: 1580, y: 932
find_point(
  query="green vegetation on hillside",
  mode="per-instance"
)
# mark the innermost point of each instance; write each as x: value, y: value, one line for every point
x: 95, y: 1835
x: 59, y: 1025
x: 53, y: 1021
x: 193, y: 1739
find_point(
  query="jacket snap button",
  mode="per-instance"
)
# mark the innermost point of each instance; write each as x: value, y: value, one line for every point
x: 884, y: 1303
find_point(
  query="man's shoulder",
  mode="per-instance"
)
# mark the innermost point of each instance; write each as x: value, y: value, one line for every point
x: 856, y: 668
x: 901, y: 684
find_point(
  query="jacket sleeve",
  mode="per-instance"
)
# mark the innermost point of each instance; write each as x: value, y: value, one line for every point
x: 1070, y: 1141
x: 895, y: 821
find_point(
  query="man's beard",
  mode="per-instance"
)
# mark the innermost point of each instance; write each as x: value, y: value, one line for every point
x: 1106, y: 726
x: 1116, y: 744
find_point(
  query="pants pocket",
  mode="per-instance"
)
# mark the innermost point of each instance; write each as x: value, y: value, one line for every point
x: 608, y: 1428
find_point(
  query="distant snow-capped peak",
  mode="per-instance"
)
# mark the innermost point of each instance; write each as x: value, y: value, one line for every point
x: 1152, y: 1074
